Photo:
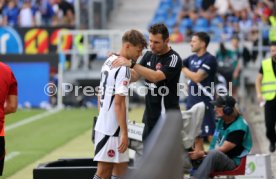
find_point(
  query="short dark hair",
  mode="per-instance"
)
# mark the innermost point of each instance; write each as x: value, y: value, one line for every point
x: 203, y: 36
x: 159, y: 28
x: 273, y: 43
x: 135, y: 37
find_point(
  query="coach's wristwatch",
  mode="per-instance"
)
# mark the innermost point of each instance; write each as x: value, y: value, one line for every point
x: 133, y: 63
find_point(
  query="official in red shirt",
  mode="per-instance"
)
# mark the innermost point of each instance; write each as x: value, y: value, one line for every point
x: 8, y: 104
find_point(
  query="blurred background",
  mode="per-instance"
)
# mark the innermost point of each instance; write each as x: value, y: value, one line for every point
x: 56, y: 48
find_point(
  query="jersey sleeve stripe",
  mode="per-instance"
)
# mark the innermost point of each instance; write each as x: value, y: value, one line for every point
x: 206, y: 66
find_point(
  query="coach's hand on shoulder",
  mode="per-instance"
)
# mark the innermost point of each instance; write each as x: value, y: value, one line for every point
x: 123, y: 143
x: 121, y: 61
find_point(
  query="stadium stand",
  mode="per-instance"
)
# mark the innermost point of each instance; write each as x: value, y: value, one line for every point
x: 221, y: 18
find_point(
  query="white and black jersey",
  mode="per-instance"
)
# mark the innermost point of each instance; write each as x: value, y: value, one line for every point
x: 113, y: 81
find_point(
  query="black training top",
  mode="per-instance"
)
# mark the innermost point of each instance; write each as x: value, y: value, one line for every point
x: 170, y: 64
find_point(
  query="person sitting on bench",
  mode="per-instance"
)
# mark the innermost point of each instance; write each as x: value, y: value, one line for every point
x: 231, y: 141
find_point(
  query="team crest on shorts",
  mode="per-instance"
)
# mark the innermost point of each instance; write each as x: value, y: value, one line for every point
x: 111, y: 153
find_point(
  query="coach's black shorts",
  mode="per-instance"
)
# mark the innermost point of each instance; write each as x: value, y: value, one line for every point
x: 2, y: 154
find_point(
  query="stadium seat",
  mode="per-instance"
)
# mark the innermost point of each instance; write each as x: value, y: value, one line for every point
x: 217, y: 21
x: 170, y: 22
x: 198, y: 4
x: 201, y: 29
x: 186, y: 23
x: 239, y: 170
x: 215, y: 33
x: 201, y: 22
x: 158, y: 19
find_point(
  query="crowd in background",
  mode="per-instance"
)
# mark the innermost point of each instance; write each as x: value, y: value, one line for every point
x: 28, y: 13
x: 223, y: 19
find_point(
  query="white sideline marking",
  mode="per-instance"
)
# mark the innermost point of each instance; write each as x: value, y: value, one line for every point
x: 32, y: 119
x: 11, y: 155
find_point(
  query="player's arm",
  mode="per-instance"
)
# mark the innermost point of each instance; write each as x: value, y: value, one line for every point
x: 12, y: 99
x: 11, y: 104
x: 120, y: 111
x: 121, y: 91
x: 99, y: 103
x: 196, y: 77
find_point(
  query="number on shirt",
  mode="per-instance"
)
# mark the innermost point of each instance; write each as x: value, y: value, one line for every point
x: 104, y: 76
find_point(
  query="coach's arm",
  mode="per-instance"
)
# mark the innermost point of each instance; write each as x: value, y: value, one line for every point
x: 139, y: 70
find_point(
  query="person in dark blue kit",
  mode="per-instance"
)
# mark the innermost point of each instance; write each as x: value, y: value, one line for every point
x: 201, y: 68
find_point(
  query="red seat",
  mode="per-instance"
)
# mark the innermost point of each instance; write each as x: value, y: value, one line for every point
x: 239, y: 170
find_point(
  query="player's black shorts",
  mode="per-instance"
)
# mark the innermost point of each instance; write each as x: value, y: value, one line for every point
x: 2, y: 154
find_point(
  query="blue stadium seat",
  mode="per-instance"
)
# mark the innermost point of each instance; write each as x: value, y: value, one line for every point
x: 201, y: 22
x: 170, y: 22
x: 158, y: 19
x: 215, y: 33
x: 161, y: 12
x: 232, y: 19
x: 186, y: 23
x: 201, y: 29
x: 198, y: 4
x: 216, y: 21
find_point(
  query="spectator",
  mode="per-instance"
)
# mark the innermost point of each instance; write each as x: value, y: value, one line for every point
x: 239, y: 54
x: 225, y: 63
x: 222, y: 7
x: 187, y: 8
x: 237, y: 6
x: 68, y: 12
x: 8, y: 104
x: 11, y: 13
x: 245, y: 23
x: 47, y: 12
x: 176, y: 36
x: 2, y: 5
x: 262, y: 11
x: 26, y: 18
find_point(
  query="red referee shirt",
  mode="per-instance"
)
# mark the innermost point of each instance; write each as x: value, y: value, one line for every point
x: 8, y: 86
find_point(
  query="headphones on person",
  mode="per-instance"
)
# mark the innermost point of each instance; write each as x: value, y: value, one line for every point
x: 227, y: 110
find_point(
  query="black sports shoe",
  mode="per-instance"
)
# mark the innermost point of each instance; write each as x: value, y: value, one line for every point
x: 272, y: 147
